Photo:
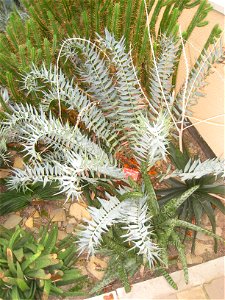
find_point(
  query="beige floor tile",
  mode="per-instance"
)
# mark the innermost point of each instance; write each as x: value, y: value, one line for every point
x: 171, y: 296
x: 216, y: 288
x: 158, y: 288
x: 193, y: 293
x: 107, y: 296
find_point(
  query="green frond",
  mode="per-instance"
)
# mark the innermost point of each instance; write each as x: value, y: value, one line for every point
x: 153, y: 205
x: 170, y: 208
x: 107, y: 280
x: 168, y: 278
x: 123, y: 276
x: 184, y: 224
x: 181, y: 251
x: 114, y: 26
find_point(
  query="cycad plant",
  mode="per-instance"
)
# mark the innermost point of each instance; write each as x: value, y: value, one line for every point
x: 110, y: 114
x: 104, y: 111
x: 133, y: 230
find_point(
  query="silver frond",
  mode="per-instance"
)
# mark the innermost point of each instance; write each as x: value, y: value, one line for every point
x: 72, y: 95
x: 71, y: 157
x: 163, y: 70
x: 102, y: 218
x: 151, y: 139
x: 139, y: 230
x: 130, y: 96
x: 197, y: 169
x: 94, y: 70
x: 197, y: 80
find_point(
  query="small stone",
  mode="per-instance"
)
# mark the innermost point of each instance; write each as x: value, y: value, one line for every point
x: 59, y: 224
x: 58, y: 215
x: 66, y: 206
x: 61, y: 235
x: 72, y: 221
x: 201, y: 248
x: 219, y: 231
x: 96, y: 267
x: 193, y: 259
x: 36, y: 215
x: 83, y: 270
x: 79, y: 212
x: 29, y: 222
x: 4, y: 173
x: 189, y: 259
x: 18, y: 162
x: 197, y: 260
x: 69, y: 228
x: 12, y: 221
x: 205, y: 220
x: 203, y: 237
x: 220, y: 220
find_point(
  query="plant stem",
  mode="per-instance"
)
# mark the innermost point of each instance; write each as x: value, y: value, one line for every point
x: 152, y: 200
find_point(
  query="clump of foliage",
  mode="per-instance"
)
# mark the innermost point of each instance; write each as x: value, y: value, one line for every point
x: 191, y: 172
x: 110, y: 114
x: 6, y: 8
x: 36, y: 267
x: 133, y: 230
x: 14, y: 200
x: 38, y: 39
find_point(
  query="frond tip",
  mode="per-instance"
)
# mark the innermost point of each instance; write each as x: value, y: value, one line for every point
x: 151, y: 139
x: 197, y: 169
x: 102, y: 219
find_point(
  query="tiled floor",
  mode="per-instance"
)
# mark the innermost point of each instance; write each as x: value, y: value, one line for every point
x: 207, y: 281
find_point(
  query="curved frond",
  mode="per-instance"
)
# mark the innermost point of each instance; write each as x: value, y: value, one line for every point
x: 197, y: 169
x: 77, y: 158
x: 109, y: 213
x: 4, y: 157
x: 139, y: 229
x: 68, y: 179
x: 92, y: 67
x: 163, y: 70
x: 130, y: 96
x: 71, y: 95
x: 197, y: 79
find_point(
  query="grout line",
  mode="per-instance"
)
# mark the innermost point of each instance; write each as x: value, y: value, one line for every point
x: 204, y: 290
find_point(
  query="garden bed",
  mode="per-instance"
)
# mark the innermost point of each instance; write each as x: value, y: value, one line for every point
x: 68, y: 216
x: 109, y: 179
